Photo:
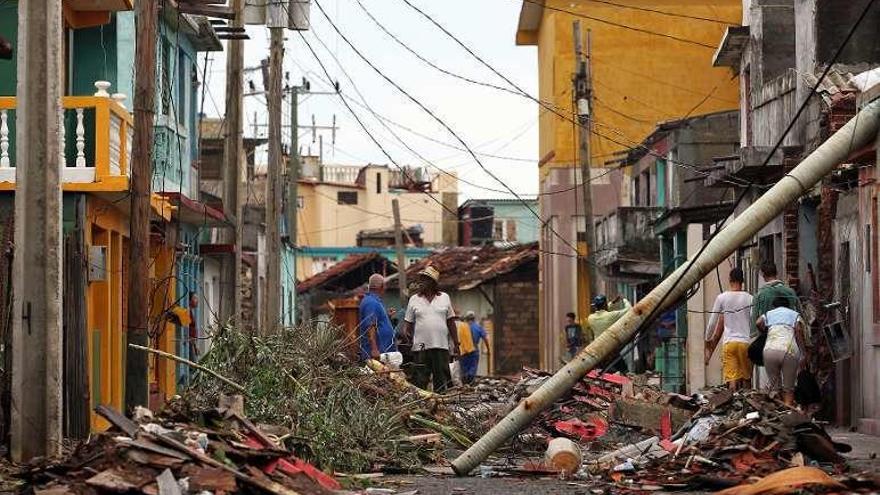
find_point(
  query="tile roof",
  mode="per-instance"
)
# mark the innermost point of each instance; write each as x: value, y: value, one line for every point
x: 463, y: 268
x: 333, y: 277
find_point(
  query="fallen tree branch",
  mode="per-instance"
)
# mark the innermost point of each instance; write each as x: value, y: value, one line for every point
x: 398, y: 378
x: 190, y: 364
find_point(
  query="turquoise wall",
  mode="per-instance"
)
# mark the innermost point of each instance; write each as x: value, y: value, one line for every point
x: 175, y: 147
x: 526, y: 223
x: 189, y: 278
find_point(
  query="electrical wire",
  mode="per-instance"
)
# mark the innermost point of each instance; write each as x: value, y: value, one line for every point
x: 442, y: 123
x: 525, y: 94
x: 662, y: 12
x: 617, y: 24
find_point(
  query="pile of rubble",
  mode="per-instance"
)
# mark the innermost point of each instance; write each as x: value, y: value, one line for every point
x: 289, y: 414
x: 630, y: 436
x: 223, y: 453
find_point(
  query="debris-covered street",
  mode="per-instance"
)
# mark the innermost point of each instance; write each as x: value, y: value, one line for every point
x: 326, y: 424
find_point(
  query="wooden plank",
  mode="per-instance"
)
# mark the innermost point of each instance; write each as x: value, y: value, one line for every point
x: 128, y: 426
x: 264, y: 484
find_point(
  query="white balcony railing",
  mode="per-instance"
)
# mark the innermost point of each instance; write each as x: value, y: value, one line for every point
x: 96, y: 135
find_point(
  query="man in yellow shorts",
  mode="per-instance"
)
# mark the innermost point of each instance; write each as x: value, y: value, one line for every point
x: 730, y: 324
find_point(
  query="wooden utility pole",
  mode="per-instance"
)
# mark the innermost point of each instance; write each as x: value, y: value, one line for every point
x: 36, y: 268
x: 583, y: 93
x: 273, y: 185
x: 401, y: 258
x: 230, y: 303
x: 138, y: 297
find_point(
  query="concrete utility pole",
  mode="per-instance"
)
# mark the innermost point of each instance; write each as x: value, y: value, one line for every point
x: 293, y: 167
x: 857, y: 133
x: 230, y: 303
x: 583, y: 94
x: 273, y: 185
x: 401, y: 258
x: 136, y: 390
x: 36, y: 269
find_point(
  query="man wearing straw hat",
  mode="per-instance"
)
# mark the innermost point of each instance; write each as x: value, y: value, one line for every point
x: 430, y: 320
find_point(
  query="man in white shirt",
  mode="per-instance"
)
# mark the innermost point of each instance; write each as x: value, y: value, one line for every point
x: 731, y: 323
x: 430, y: 321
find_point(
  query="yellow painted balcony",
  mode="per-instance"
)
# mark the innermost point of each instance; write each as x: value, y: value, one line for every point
x: 96, y: 134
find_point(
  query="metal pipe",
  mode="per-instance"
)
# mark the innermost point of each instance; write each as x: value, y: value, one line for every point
x: 858, y: 132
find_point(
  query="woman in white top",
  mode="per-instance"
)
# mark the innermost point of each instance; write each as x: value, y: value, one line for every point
x: 785, y: 349
x: 430, y: 322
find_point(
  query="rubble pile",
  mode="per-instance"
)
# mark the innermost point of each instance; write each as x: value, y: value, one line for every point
x: 223, y: 453
x: 636, y: 437
x: 304, y: 409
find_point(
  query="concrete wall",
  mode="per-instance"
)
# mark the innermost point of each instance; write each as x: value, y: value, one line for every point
x: 324, y: 222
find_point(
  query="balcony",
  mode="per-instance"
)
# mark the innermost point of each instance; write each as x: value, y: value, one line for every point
x: 628, y: 250
x: 96, y: 135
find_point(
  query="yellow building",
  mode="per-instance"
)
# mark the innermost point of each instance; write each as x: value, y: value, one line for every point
x: 651, y: 61
x: 341, y: 202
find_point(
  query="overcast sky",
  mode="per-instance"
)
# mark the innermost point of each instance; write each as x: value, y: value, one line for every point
x: 488, y: 120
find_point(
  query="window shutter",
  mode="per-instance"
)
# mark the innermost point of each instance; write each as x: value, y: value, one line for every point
x: 511, y: 230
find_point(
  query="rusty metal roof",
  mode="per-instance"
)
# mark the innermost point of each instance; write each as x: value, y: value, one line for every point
x: 463, y: 268
x: 349, y: 273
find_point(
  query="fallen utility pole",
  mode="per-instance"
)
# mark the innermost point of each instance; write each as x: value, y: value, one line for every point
x: 230, y: 304
x: 138, y: 297
x: 858, y: 132
x: 272, y: 308
x: 398, y: 243
x: 36, y: 314
x: 583, y: 94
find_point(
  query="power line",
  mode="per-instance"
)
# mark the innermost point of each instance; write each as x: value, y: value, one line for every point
x: 441, y: 122
x: 779, y: 142
x: 548, y: 107
x: 382, y: 120
x: 617, y: 24
x: 663, y: 12
x: 393, y: 161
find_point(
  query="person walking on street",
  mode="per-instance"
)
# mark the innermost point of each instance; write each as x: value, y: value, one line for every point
x: 574, y: 335
x: 470, y: 358
x: 773, y: 288
x: 601, y: 319
x: 430, y: 320
x: 730, y: 324
x: 375, y: 333
x: 785, y: 351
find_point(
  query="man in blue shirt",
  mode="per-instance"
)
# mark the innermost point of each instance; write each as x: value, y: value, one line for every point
x: 375, y: 333
x: 470, y: 362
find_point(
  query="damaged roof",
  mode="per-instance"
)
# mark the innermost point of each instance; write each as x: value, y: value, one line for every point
x: 463, y: 268
x: 348, y: 274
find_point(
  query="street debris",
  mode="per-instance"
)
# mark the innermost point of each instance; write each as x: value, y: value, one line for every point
x: 303, y: 418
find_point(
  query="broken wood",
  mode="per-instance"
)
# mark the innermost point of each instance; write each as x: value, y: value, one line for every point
x: 129, y: 427
x: 190, y: 364
x: 263, y: 484
x: 398, y: 378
